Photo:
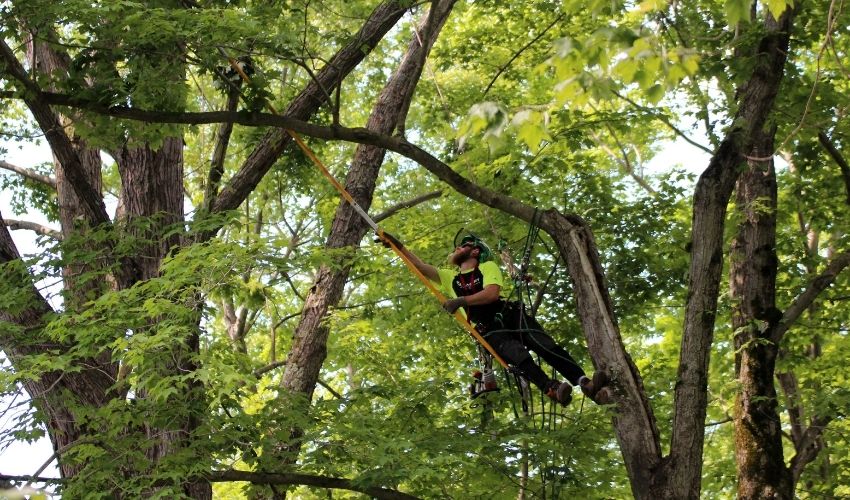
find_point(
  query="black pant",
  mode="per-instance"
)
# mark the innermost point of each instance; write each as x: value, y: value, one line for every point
x: 515, y: 334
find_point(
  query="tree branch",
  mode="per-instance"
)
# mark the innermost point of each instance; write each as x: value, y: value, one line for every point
x: 220, y: 152
x: 520, y: 51
x: 665, y: 121
x: 386, y: 214
x: 272, y: 145
x: 56, y: 137
x: 259, y: 372
x: 306, y: 480
x: 15, y: 224
x: 356, y: 135
x: 623, y: 161
x: 29, y: 174
x: 808, y: 448
x: 805, y: 299
x: 262, y: 478
x: 836, y: 155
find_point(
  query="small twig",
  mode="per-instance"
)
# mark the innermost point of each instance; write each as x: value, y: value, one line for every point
x: 56, y: 454
x: 520, y: 51
x: 665, y: 121
x: 407, y: 204
x: 259, y: 372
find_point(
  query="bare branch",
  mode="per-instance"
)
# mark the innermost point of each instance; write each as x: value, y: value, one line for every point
x: 29, y: 174
x: 407, y: 204
x: 259, y: 372
x: 263, y: 478
x: 809, y: 446
x: 623, y: 160
x: 805, y: 299
x: 220, y: 152
x: 15, y: 224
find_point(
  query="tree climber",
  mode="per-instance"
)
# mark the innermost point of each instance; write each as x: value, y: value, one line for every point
x: 475, y: 286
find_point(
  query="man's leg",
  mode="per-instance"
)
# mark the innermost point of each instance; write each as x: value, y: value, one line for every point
x: 508, y: 345
x: 537, y: 340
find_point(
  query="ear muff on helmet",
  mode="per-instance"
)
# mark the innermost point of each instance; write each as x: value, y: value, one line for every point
x: 484, y: 253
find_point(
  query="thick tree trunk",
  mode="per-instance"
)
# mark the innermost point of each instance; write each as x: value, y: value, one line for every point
x: 89, y: 386
x: 152, y: 187
x: 758, y: 435
x: 683, y: 473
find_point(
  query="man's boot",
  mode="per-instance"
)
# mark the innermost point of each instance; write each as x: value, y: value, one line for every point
x: 562, y: 392
x: 597, y: 389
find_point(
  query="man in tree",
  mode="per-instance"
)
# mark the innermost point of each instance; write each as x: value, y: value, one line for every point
x: 475, y: 286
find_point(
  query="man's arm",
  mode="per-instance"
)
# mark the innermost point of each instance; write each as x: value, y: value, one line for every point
x: 428, y: 270
x: 486, y: 296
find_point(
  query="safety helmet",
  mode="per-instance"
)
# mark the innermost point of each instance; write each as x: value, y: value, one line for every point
x: 484, y: 250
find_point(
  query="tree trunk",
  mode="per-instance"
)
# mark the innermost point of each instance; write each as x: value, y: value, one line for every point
x: 711, y: 197
x: 309, y: 347
x: 634, y: 421
x: 758, y: 435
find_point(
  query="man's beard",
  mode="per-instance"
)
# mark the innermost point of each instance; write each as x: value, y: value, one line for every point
x: 458, y: 258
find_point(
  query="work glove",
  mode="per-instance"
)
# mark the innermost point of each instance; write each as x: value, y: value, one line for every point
x: 391, y: 238
x: 452, y: 305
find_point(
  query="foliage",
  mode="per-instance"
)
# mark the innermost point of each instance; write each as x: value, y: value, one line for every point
x: 558, y: 104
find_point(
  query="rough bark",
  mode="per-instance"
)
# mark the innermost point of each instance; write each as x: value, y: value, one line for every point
x: 758, y: 433
x: 78, y: 185
x: 309, y: 345
x: 712, y: 194
x: 634, y: 421
x: 152, y: 187
x: 21, y: 336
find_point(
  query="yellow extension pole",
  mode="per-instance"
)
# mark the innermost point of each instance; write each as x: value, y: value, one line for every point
x: 378, y: 231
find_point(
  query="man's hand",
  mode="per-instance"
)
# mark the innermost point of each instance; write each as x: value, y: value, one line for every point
x: 390, y: 238
x: 452, y: 305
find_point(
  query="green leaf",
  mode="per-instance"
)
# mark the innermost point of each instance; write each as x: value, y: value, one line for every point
x: 777, y: 7
x: 655, y: 93
x: 737, y: 11
x: 651, y: 5
x: 531, y: 129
